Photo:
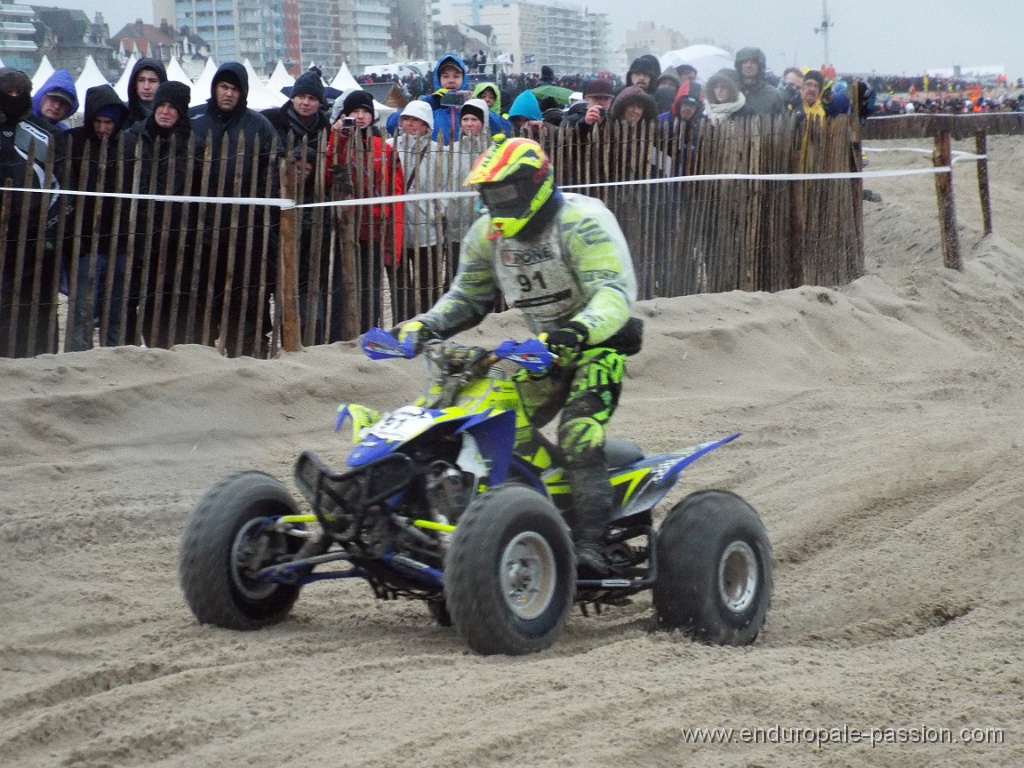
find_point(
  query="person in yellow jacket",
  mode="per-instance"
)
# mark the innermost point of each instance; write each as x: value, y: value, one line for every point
x: 563, y: 261
x: 813, y: 87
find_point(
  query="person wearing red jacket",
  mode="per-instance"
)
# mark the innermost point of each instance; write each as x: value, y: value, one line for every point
x: 365, y: 167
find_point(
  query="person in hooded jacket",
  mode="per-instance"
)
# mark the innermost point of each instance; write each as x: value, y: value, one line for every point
x: 687, y: 108
x: 679, y: 128
x: 242, y: 255
x: 724, y: 101
x: 644, y: 71
x: 416, y: 280
x: 634, y: 116
x: 96, y: 244
x: 633, y: 105
x: 525, y: 114
x: 56, y: 100
x: 146, y: 77
x: 25, y: 141
x: 171, y: 307
x: 760, y: 97
x: 491, y: 94
x: 450, y: 74
x: 665, y: 89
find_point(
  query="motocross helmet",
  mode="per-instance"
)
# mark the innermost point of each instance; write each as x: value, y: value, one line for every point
x: 515, y: 179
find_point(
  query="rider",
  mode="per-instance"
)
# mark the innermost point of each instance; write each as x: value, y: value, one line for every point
x: 562, y: 259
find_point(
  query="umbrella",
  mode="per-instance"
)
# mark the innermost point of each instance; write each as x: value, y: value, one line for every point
x: 706, y: 59
x: 556, y: 92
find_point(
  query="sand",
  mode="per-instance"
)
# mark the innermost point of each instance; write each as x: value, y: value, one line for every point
x: 882, y: 446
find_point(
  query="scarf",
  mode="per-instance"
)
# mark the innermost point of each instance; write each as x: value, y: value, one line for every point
x: 717, y: 113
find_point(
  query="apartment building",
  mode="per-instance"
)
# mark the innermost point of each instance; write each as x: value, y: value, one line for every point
x: 18, y: 48
x: 237, y: 29
x: 568, y: 38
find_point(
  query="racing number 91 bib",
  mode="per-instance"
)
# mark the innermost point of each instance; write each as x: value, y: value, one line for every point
x: 536, y: 279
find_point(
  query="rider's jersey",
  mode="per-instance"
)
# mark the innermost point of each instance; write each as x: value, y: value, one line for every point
x: 578, y: 268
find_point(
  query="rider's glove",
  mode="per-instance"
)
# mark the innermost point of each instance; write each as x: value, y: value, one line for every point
x: 567, y: 342
x: 416, y: 332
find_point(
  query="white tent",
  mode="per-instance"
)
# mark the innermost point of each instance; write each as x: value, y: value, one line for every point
x: 260, y: 97
x: 43, y: 72
x: 121, y: 86
x: 344, y: 81
x: 706, y: 59
x: 254, y: 76
x: 90, y: 77
x: 2, y: 65
x: 203, y: 84
x: 280, y: 78
x: 177, y: 74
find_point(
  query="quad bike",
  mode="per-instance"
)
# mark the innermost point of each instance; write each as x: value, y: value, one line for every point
x: 457, y: 501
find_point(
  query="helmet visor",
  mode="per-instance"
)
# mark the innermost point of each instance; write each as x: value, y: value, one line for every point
x: 504, y: 199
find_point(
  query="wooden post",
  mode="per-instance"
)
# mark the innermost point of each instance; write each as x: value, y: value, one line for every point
x: 981, y: 148
x: 289, y: 266
x: 943, y: 157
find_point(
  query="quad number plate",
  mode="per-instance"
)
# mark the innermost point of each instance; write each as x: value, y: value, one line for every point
x: 402, y: 424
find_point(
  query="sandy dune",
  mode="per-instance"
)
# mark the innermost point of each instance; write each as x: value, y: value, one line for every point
x: 882, y: 445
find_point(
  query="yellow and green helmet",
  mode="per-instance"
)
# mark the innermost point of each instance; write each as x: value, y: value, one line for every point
x: 515, y: 179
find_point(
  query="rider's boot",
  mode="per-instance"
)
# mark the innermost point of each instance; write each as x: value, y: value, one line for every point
x: 592, y: 502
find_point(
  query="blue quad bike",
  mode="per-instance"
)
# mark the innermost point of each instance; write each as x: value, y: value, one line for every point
x: 457, y: 501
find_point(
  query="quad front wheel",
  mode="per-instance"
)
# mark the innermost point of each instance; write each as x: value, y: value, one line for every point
x: 714, y: 569
x: 510, y: 573
x: 226, y: 542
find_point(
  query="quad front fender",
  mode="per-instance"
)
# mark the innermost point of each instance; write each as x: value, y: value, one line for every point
x: 361, y: 416
x: 495, y: 434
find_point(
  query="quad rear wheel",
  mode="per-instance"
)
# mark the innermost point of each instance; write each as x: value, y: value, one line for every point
x: 226, y: 541
x: 714, y: 569
x: 510, y: 573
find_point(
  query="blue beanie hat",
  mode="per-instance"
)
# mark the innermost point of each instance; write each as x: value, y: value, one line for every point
x: 113, y: 112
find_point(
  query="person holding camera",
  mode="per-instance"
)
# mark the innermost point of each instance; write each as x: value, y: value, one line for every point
x: 597, y: 98
x: 362, y: 165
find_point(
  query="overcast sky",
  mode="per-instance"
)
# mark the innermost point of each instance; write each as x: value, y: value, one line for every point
x: 887, y: 36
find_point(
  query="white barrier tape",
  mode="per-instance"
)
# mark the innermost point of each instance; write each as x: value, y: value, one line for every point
x: 275, y: 202
x: 384, y: 200
x: 285, y: 204
x: 957, y: 154
x: 773, y: 177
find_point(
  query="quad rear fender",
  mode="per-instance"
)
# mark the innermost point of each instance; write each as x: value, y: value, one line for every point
x: 642, y: 484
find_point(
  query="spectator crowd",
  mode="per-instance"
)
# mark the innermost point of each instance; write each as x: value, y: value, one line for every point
x: 208, y: 274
